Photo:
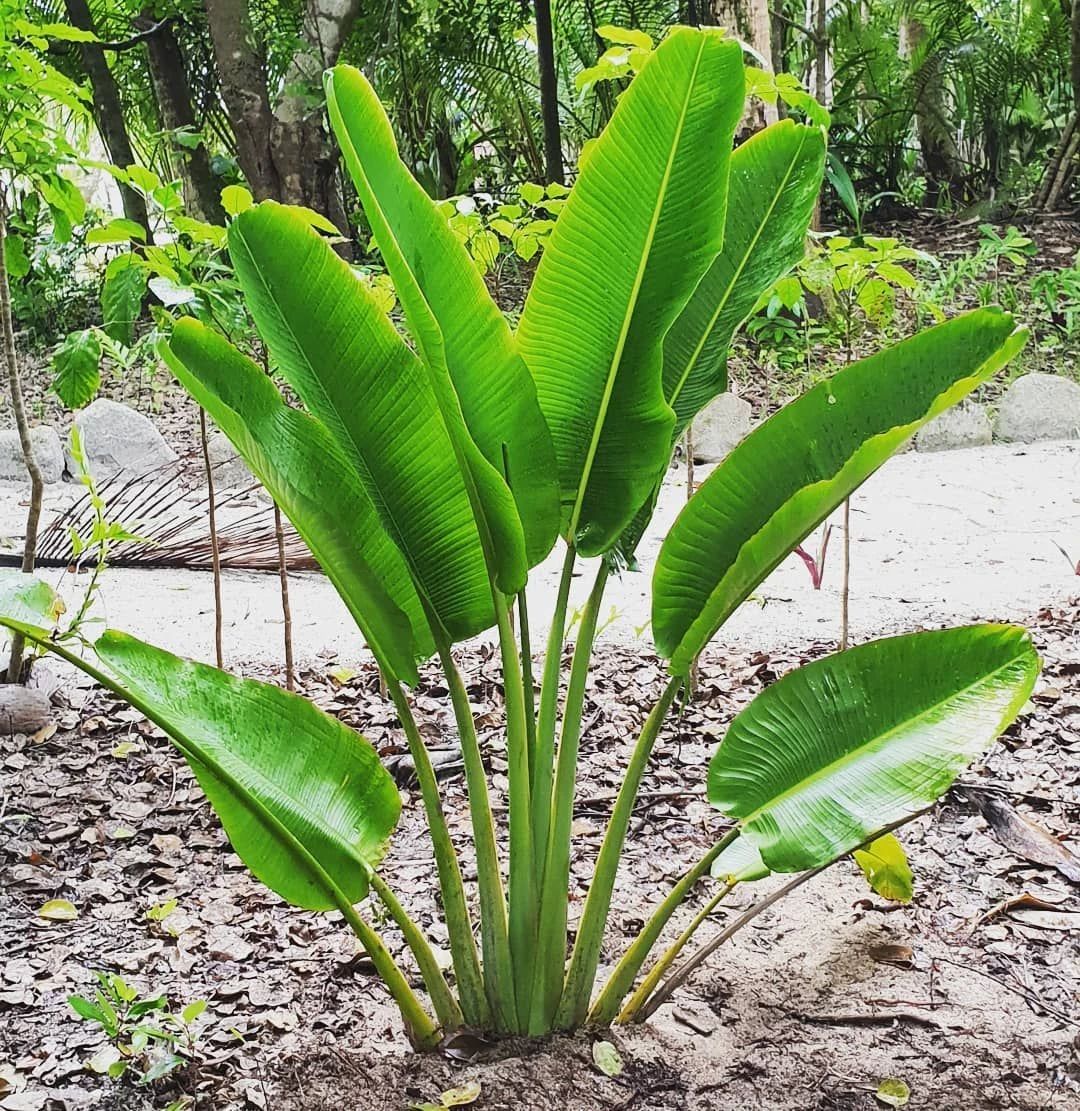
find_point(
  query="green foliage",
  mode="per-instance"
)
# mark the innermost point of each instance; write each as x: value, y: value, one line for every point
x: 843, y: 746
x: 732, y: 533
x: 76, y: 365
x: 473, y: 451
x: 885, y: 865
x: 147, y: 1038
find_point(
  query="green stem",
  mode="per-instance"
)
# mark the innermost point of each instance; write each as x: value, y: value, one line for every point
x: 682, y: 973
x: 544, y: 763
x: 647, y: 986
x: 586, y: 955
x: 422, y: 1030
x: 621, y: 980
x: 498, y: 973
x: 522, y: 882
x: 551, y: 939
x: 470, y: 979
x: 446, y: 1008
x: 528, y: 682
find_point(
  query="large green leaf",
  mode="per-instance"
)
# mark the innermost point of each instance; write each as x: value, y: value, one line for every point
x: 296, y: 459
x: 76, y: 365
x: 775, y: 179
x: 641, y: 226
x: 302, y: 798
x: 843, y: 747
x: 793, y: 470
x: 449, y: 308
x: 357, y: 376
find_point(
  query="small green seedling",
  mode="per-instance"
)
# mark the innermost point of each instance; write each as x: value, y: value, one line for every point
x: 146, y: 1038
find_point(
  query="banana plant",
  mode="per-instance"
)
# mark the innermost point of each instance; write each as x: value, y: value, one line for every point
x: 430, y: 472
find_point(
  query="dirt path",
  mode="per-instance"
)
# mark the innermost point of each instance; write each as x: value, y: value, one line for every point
x: 946, y: 537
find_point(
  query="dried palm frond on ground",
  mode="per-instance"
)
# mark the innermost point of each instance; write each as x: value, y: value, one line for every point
x: 171, y: 522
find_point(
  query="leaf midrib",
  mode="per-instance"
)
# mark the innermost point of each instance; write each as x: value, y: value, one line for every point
x: 609, y: 385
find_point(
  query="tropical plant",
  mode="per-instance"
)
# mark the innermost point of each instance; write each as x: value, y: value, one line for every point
x: 145, y: 1036
x: 428, y: 479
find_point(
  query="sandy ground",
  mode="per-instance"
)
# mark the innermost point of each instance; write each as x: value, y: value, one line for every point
x: 954, y: 536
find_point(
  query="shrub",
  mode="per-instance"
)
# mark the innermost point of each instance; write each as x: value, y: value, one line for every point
x: 429, y: 479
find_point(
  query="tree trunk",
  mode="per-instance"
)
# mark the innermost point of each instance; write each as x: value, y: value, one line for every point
x: 107, y: 109
x: 549, y: 93
x: 11, y: 358
x: 941, y: 158
x: 821, y: 53
x: 750, y: 21
x: 242, y: 76
x: 446, y: 155
x: 202, y: 191
x: 284, y: 150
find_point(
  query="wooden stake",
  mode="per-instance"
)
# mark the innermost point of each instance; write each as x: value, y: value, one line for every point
x: 215, y: 555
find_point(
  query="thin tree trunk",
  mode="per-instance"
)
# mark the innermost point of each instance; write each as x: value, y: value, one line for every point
x: 1060, y: 167
x: 11, y: 358
x: 215, y: 553
x: 1074, y: 54
x: 941, y: 157
x: 821, y: 52
x: 845, y: 582
x: 168, y: 71
x: 107, y: 110
x: 549, y: 93
x: 688, y: 447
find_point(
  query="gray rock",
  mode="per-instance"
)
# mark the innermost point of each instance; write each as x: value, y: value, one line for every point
x: 964, y: 425
x: 720, y: 426
x: 48, y: 451
x: 115, y: 439
x: 1039, y: 407
x: 229, y: 470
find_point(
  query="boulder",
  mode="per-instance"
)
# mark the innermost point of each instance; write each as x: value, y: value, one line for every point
x: 964, y: 425
x: 719, y: 427
x: 229, y: 470
x: 1039, y: 407
x: 48, y: 451
x: 116, y: 439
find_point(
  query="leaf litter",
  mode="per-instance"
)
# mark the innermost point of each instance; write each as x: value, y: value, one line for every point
x: 828, y: 992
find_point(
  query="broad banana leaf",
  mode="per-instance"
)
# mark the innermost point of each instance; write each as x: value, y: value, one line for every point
x: 642, y: 224
x: 843, y: 747
x: 302, y: 798
x: 358, y: 378
x: 797, y: 467
x: 449, y: 310
x: 775, y: 179
x: 296, y: 459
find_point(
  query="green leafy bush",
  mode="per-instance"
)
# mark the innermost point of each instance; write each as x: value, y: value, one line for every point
x: 428, y: 479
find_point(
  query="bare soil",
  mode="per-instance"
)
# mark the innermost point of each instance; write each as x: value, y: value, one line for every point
x: 964, y: 995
